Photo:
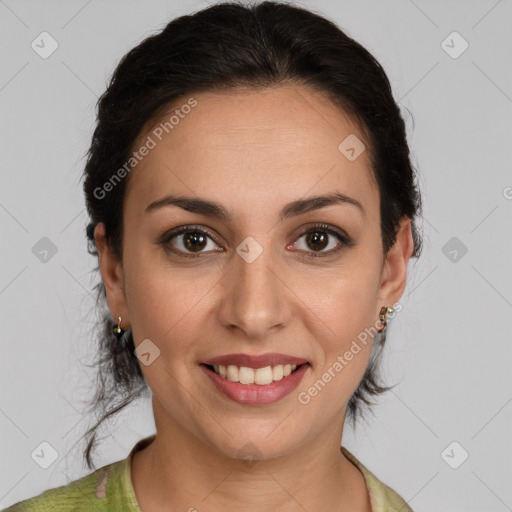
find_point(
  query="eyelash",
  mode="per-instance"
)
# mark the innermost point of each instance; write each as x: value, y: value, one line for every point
x: 167, y: 237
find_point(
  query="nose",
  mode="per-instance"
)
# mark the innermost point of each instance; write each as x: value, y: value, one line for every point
x: 256, y: 299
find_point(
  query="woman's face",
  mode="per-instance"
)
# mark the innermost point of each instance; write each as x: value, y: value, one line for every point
x: 254, y: 283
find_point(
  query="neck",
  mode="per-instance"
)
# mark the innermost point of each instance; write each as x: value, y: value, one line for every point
x: 178, y: 471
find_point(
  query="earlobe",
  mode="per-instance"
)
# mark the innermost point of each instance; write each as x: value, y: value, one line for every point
x: 112, y: 275
x: 394, y: 275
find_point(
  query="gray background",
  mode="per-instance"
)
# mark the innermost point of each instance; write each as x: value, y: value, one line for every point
x: 450, y: 348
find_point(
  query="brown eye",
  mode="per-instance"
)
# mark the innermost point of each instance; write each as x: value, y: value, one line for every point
x: 317, y: 240
x: 194, y: 240
x: 319, y: 237
x: 189, y: 242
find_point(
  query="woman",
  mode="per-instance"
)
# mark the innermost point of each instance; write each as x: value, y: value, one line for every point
x: 253, y: 211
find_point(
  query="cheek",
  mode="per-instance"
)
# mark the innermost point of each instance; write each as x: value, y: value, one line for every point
x: 345, y: 298
x: 346, y: 343
x: 345, y: 304
x: 163, y: 302
x: 151, y: 294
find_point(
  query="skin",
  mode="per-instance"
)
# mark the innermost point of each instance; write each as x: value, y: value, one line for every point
x: 253, y: 152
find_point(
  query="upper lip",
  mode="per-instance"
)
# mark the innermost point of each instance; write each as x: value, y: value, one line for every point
x: 260, y: 361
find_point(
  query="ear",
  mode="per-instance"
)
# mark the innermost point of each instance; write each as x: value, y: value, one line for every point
x: 394, y: 273
x: 113, y: 277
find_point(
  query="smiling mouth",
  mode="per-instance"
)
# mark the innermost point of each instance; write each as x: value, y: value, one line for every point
x: 260, y: 376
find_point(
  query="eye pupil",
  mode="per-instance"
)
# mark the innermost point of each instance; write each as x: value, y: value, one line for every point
x: 316, y: 238
x: 194, y: 240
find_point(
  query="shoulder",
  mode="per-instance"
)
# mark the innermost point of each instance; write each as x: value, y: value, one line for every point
x: 99, y: 491
x: 382, y: 497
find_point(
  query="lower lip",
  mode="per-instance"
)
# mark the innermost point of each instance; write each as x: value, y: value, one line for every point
x: 254, y: 394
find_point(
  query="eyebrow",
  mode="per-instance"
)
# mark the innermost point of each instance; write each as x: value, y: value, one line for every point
x: 217, y: 210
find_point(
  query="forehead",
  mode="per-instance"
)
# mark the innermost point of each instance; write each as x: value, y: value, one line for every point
x: 251, y: 144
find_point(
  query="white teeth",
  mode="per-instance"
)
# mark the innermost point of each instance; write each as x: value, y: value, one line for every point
x: 260, y: 376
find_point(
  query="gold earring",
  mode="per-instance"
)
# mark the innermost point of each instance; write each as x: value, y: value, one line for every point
x: 383, y: 315
x: 117, y: 331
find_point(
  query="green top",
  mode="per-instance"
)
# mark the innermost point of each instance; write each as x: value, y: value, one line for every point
x: 110, y: 489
